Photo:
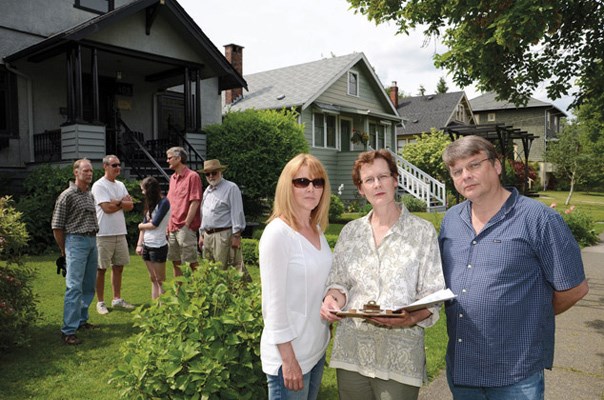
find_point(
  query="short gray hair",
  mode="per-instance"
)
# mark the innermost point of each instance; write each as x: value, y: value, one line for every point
x: 178, y: 151
x: 466, y: 147
x: 109, y: 157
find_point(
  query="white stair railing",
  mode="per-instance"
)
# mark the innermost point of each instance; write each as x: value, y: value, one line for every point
x: 420, y: 185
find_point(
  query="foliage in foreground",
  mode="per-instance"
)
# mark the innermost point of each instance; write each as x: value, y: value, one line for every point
x: 582, y: 226
x: 17, y: 301
x: 202, y: 340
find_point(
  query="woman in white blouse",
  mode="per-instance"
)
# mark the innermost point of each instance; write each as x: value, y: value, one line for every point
x: 295, y: 260
x: 391, y: 257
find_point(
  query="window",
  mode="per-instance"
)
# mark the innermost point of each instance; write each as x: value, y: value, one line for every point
x: 491, y: 117
x: 372, y: 135
x: 353, y: 83
x: 319, y: 140
x: 8, y: 105
x: 98, y: 6
x: 477, y: 119
x: 461, y: 114
x: 381, y: 138
x: 325, y: 131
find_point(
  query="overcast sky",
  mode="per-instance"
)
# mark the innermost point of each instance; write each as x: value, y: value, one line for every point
x: 280, y: 33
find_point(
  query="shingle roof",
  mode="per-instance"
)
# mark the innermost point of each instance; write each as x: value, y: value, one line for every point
x: 429, y: 111
x: 488, y: 102
x: 296, y: 85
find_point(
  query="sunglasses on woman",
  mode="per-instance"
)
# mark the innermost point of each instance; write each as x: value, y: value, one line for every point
x: 302, y: 183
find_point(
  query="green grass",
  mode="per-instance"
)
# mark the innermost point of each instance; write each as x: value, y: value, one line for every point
x: 591, y: 203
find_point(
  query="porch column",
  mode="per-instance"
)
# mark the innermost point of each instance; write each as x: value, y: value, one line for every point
x: 187, y: 92
x: 79, y: 103
x: 70, y: 87
x: 197, y: 100
x: 95, y: 86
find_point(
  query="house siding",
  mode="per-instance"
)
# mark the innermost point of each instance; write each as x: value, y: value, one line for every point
x: 82, y: 141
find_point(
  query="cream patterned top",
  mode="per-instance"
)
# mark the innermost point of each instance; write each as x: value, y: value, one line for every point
x: 405, y: 268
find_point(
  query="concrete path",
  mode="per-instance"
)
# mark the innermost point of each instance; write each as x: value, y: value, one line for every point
x: 578, y: 372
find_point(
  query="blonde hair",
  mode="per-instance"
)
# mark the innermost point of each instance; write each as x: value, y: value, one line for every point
x: 283, y: 205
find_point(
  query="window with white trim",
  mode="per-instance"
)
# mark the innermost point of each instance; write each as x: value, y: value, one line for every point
x: 325, y: 130
x: 461, y: 113
x: 491, y: 117
x: 353, y: 83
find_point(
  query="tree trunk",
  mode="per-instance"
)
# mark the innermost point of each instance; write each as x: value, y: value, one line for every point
x: 572, y: 187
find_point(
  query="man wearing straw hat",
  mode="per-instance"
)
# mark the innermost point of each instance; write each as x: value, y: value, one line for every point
x: 222, y: 218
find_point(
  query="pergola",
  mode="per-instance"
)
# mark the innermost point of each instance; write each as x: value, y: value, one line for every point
x: 501, y: 136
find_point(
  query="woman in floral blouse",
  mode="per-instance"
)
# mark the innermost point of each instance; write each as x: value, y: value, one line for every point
x: 392, y: 258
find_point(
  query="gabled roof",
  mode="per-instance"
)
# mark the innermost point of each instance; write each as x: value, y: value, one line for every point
x: 300, y: 85
x: 55, y: 43
x: 488, y: 102
x: 429, y: 111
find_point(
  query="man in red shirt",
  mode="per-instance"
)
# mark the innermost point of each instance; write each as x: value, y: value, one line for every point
x: 184, y: 196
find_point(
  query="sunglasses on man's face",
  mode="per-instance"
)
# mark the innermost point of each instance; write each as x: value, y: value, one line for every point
x: 115, y: 165
x: 302, y: 183
x: 211, y: 173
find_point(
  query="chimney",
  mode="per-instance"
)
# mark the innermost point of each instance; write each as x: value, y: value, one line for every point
x: 394, y: 94
x: 234, y: 55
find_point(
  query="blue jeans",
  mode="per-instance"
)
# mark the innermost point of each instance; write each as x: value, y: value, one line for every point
x: 312, y: 384
x: 82, y: 261
x: 531, y: 388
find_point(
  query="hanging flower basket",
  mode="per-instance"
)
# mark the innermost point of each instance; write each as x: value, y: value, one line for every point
x: 359, y: 137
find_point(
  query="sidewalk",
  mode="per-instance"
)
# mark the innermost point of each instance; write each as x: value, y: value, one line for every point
x: 578, y: 371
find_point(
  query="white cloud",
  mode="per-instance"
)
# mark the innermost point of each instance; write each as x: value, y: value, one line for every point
x: 279, y: 33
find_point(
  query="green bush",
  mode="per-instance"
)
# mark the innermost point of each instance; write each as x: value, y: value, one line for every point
x: 256, y: 145
x: 336, y: 208
x: 249, y: 251
x: 42, y: 187
x: 17, y: 301
x: 201, y: 340
x: 582, y: 227
x: 413, y: 204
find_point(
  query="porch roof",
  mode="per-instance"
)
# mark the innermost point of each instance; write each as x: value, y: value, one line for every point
x: 56, y: 44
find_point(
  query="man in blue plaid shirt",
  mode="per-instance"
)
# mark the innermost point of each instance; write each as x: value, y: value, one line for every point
x: 513, y: 264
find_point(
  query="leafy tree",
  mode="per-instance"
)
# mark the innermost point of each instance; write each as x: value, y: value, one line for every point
x: 256, y: 145
x: 509, y: 47
x: 422, y: 90
x: 574, y: 156
x: 426, y: 153
x: 441, y: 86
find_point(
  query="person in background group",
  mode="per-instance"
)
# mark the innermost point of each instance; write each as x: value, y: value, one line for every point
x: 74, y: 227
x: 222, y: 218
x: 184, y: 195
x: 152, y: 243
x: 513, y: 264
x: 295, y: 259
x: 391, y: 257
x: 111, y: 199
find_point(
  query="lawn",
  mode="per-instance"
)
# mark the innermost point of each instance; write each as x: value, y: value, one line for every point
x: 591, y: 203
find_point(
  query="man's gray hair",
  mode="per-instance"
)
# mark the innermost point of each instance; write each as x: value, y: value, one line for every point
x: 178, y: 151
x: 468, y: 146
x: 107, y: 158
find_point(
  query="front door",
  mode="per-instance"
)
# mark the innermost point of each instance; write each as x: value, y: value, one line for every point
x: 170, y: 111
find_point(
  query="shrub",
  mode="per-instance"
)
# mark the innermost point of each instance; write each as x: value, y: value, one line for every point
x: 201, y: 340
x: 17, y: 300
x: 249, y: 251
x: 42, y: 187
x: 256, y: 145
x: 581, y: 225
x: 413, y: 204
x: 336, y: 208
x: 332, y: 239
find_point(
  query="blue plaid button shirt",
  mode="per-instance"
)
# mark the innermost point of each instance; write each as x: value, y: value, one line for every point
x: 501, y: 326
